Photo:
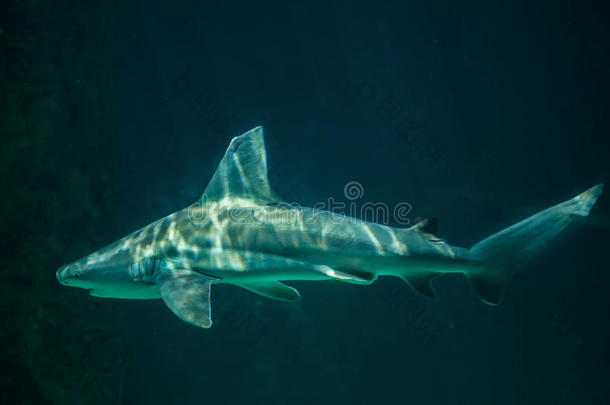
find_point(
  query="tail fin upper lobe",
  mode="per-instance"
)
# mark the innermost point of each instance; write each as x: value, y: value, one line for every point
x: 504, y: 252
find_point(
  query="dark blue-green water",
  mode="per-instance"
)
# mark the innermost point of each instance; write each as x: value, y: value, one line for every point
x: 478, y: 114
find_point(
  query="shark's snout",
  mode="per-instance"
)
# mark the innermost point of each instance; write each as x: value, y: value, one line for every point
x: 65, y: 274
x: 60, y: 274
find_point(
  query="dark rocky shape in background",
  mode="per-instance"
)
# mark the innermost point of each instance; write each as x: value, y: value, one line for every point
x: 57, y: 174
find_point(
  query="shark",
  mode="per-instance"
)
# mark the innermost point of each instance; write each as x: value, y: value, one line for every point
x: 241, y: 232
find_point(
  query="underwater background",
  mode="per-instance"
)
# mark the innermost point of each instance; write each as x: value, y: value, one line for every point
x: 114, y: 114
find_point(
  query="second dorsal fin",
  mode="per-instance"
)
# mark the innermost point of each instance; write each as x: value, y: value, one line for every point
x: 429, y: 226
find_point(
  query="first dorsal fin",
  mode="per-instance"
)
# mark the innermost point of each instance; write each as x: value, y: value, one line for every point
x: 242, y: 173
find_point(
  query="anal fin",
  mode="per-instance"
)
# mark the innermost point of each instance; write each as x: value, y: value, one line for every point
x: 272, y: 289
x: 187, y: 294
x: 421, y: 283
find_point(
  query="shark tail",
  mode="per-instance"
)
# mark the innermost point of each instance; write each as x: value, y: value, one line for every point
x: 503, y: 253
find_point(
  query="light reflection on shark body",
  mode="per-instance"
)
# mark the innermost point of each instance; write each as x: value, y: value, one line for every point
x: 240, y: 232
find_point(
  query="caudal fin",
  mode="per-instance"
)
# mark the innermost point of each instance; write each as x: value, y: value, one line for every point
x: 504, y: 252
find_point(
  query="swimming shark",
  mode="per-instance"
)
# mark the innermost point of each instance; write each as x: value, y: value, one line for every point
x: 240, y: 232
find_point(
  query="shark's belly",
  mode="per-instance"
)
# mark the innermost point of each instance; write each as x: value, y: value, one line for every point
x: 266, y: 275
x: 230, y: 265
x: 235, y: 266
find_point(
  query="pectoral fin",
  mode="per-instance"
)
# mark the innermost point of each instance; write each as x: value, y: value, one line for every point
x: 187, y: 294
x: 272, y: 289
